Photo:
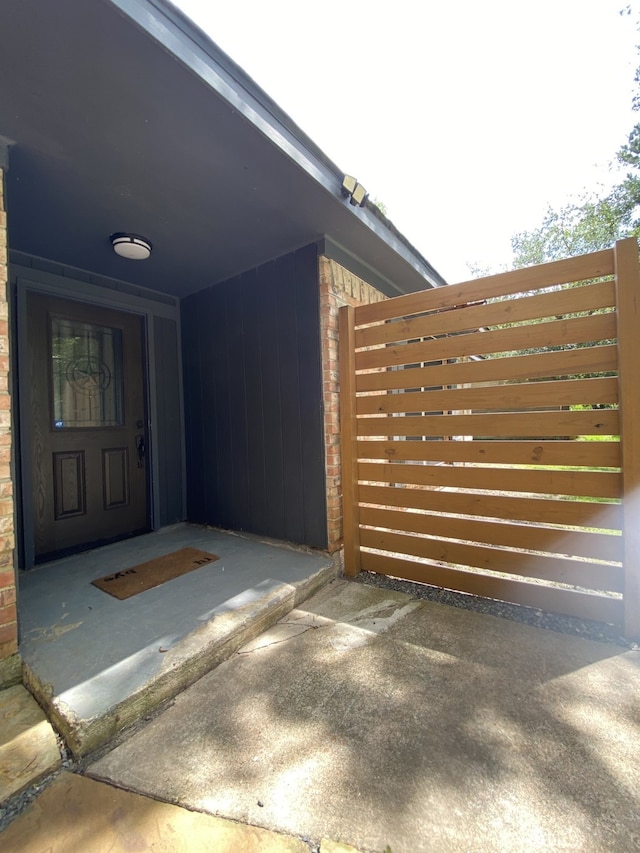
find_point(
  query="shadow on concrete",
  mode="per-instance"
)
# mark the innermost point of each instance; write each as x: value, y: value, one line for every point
x: 376, y: 719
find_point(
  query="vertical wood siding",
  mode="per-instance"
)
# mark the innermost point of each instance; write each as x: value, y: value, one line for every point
x: 253, y: 400
x: 168, y: 429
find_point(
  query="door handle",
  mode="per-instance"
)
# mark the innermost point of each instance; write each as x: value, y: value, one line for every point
x: 140, y: 449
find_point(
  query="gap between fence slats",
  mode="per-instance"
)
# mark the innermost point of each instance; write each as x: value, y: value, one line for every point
x: 592, y: 454
x: 597, y: 359
x: 560, y: 333
x: 595, y: 546
x: 582, y: 573
x: 536, y: 510
x: 507, y: 424
x: 571, y: 602
x: 591, y: 297
x: 545, y: 481
x: 581, y: 268
x: 564, y: 392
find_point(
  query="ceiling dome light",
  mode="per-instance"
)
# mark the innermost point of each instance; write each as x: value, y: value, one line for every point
x: 131, y: 246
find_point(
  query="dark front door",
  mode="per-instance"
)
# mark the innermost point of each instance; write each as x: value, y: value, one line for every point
x: 86, y: 383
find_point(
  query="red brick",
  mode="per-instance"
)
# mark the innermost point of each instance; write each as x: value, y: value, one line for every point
x: 9, y: 634
x: 8, y: 649
x: 7, y: 543
x: 8, y: 614
x: 7, y: 596
x: 7, y: 579
x: 337, y: 287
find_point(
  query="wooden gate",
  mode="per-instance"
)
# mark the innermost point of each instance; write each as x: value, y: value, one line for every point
x: 491, y: 436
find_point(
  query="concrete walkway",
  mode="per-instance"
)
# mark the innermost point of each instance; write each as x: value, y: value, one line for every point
x: 77, y: 815
x: 373, y: 719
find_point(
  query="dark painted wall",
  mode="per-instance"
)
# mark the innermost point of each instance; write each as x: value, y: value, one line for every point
x: 168, y: 432
x: 253, y: 402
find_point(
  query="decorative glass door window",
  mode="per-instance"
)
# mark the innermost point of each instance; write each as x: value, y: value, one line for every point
x: 87, y: 375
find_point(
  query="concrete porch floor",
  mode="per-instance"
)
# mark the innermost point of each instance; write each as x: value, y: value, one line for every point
x: 98, y: 664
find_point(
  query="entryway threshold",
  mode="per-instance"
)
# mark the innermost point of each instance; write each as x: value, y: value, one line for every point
x: 98, y: 665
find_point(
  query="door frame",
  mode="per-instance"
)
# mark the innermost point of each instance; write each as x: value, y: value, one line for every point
x: 108, y: 294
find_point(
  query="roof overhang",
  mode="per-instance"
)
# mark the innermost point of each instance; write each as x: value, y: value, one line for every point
x: 123, y: 116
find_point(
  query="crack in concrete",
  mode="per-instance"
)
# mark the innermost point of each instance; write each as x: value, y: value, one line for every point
x: 278, y: 642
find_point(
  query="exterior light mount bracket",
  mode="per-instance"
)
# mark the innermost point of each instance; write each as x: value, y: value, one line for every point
x: 354, y: 191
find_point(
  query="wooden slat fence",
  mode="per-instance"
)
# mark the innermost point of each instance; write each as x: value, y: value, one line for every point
x: 489, y: 436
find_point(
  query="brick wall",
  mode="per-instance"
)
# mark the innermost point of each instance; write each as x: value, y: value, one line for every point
x: 8, y: 618
x: 338, y: 287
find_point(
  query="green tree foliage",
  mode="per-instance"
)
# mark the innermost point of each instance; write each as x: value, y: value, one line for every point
x: 594, y: 221
x: 588, y: 225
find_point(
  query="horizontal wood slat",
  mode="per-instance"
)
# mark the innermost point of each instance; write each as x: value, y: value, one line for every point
x: 536, y: 510
x: 586, y: 298
x: 593, y: 454
x: 594, y: 546
x: 581, y: 268
x: 554, y: 569
x: 574, y: 603
x: 523, y: 425
x: 545, y: 481
x: 597, y: 359
x: 524, y: 395
x: 558, y: 333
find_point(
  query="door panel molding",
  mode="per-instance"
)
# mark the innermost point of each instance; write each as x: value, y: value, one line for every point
x: 69, y: 484
x: 115, y: 477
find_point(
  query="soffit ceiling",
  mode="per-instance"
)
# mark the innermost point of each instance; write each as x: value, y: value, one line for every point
x: 110, y: 131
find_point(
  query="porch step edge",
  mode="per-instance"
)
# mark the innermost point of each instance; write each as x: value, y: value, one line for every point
x: 192, y: 657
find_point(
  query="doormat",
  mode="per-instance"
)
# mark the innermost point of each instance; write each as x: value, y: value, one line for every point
x: 137, y: 579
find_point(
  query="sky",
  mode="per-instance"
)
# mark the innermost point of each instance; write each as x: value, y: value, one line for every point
x: 466, y: 118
